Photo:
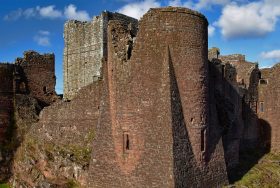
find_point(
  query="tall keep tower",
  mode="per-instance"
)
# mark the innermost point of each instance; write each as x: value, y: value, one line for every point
x: 85, y: 49
x: 154, y: 115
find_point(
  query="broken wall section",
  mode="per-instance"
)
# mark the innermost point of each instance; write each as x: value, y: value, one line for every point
x: 157, y: 107
x: 35, y: 76
x: 85, y: 48
x: 269, y: 108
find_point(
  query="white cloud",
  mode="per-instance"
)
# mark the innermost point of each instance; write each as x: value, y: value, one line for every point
x: 211, y: 30
x: 42, y: 38
x: 175, y: 3
x: 28, y: 13
x: 274, y: 55
x: 43, y: 32
x: 14, y: 15
x: 200, y: 4
x: 49, y: 12
x: 207, y: 4
x: 179, y: 3
x: 137, y: 9
x: 71, y: 12
x: 253, y: 19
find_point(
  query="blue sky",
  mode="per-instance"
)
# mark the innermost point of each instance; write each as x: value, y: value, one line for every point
x: 249, y: 27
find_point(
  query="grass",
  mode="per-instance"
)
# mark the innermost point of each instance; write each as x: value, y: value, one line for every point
x: 266, y: 173
x: 4, y: 185
x: 73, y: 184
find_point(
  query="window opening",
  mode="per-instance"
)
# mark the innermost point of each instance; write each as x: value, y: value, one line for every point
x: 126, y: 142
x: 203, y: 139
x: 45, y: 89
x: 262, y: 106
x: 263, y: 81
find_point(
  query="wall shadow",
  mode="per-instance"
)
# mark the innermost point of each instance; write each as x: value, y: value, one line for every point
x: 246, y: 138
x: 182, y: 150
x: 249, y: 158
x: 9, y: 143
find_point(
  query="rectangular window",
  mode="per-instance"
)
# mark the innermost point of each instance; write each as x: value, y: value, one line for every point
x: 263, y: 81
x: 203, y: 139
x: 261, y: 106
x: 126, y: 142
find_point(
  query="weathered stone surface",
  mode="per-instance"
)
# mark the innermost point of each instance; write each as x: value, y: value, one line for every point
x: 268, y: 107
x: 35, y: 76
x: 147, y: 109
x: 158, y: 131
x: 26, y: 87
x: 6, y: 98
x: 85, y: 48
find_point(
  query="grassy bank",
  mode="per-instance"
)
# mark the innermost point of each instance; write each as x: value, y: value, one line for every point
x: 265, y: 173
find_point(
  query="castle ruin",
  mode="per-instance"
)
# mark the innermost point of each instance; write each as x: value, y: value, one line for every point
x: 31, y: 75
x: 85, y: 50
x: 164, y: 111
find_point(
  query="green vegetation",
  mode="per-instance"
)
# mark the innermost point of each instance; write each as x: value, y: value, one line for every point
x: 73, y: 184
x: 4, y: 185
x: 266, y: 173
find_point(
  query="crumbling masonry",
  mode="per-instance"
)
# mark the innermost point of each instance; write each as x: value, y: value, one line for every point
x: 31, y: 75
x: 165, y: 111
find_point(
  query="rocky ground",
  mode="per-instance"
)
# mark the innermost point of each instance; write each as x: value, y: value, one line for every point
x: 28, y: 159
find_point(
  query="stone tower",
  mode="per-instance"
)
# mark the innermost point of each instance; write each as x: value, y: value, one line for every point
x: 85, y: 49
x: 154, y: 115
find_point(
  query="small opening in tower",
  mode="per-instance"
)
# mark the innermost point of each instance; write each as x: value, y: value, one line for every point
x: 261, y: 106
x: 203, y: 139
x: 192, y: 120
x: 126, y: 142
x: 129, y: 50
x: 263, y: 81
x: 45, y: 89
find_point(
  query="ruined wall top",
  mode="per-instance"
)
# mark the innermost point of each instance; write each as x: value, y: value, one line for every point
x: 267, y: 72
x: 176, y: 10
x: 233, y: 58
x: 31, y: 57
x: 213, y: 53
x: 86, y: 49
x: 244, y: 69
x: 5, y: 65
x: 104, y: 14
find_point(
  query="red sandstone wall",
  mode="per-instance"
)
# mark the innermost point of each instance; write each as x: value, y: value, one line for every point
x: 159, y: 99
x: 268, y: 107
x: 6, y: 98
x: 65, y: 121
x: 245, y: 82
x: 38, y: 76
